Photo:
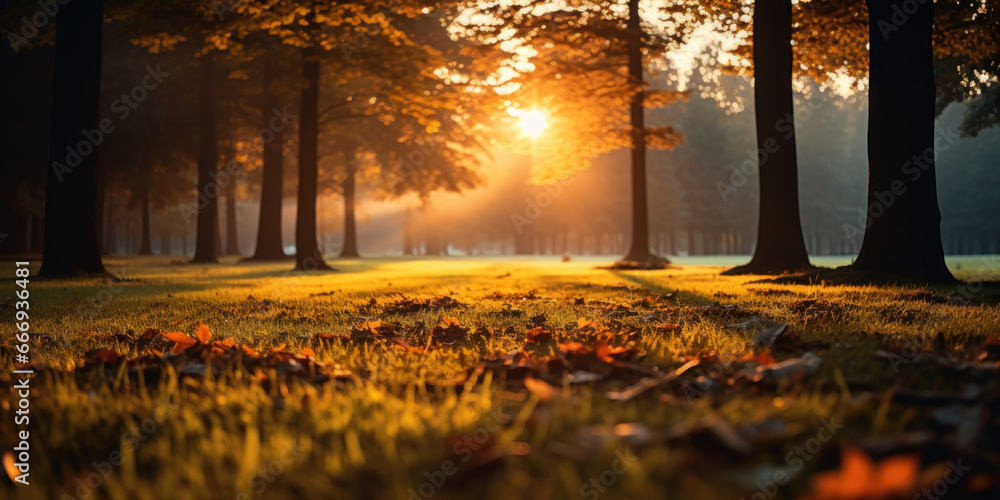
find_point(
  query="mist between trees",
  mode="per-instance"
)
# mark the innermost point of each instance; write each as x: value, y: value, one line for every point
x: 419, y: 184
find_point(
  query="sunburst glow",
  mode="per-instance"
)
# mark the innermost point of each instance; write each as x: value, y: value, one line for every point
x: 532, y: 122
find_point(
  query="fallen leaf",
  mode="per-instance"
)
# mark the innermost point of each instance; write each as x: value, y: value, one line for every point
x: 179, y: 338
x: 9, y: 467
x: 861, y: 478
x: 538, y: 335
x: 543, y: 390
x: 202, y: 333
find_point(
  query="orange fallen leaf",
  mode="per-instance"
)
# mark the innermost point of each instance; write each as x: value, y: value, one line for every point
x: 308, y: 352
x: 8, y: 465
x: 538, y: 335
x: 203, y: 334
x: 543, y: 390
x: 179, y: 338
x: 181, y: 341
x: 568, y: 347
x: 861, y: 478
x: 763, y: 358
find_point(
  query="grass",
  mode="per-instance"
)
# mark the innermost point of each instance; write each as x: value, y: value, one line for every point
x: 392, y: 428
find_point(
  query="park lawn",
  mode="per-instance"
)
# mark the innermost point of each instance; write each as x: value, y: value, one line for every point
x: 350, y: 389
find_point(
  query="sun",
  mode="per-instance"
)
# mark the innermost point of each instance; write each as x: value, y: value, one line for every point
x: 533, y: 122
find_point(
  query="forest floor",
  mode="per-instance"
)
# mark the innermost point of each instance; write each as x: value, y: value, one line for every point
x: 496, y: 378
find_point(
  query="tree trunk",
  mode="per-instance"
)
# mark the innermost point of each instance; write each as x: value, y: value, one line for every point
x: 232, y: 233
x: 110, y: 234
x: 165, y: 243
x: 270, y: 245
x: 102, y: 195
x: 524, y: 239
x: 780, y: 245
x: 903, y: 231
x: 205, y: 250
x: 307, y: 254
x: 638, y: 251
x: 146, y: 247
x: 433, y: 243
x: 407, y: 232
x: 72, y: 243
x: 350, y: 248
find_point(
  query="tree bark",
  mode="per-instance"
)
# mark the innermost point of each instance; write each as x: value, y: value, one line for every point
x: 232, y: 232
x: 72, y: 242
x: 350, y: 248
x: 270, y: 245
x: 102, y: 195
x: 780, y: 245
x: 110, y: 233
x: 903, y: 231
x: 146, y: 245
x: 307, y: 254
x: 638, y: 247
x: 408, y: 232
x: 165, y: 243
x: 524, y: 240
x: 205, y: 250
x: 433, y: 243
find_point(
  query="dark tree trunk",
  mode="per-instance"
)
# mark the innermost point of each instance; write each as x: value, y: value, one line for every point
x: 232, y: 233
x: 433, y: 244
x: 903, y: 235
x: 218, y: 233
x: 102, y: 195
x: 205, y: 250
x: 72, y: 242
x: 110, y: 233
x: 307, y: 254
x: 146, y: 245
x: 524, y: 241
x: 270, y: 245
x: 638, y: 248
x: 350, y: 248
x: 407, y: 232
x: 165, y: 243
x: 780, y: 245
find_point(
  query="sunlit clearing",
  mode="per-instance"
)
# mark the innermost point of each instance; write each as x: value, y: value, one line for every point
x: 533, y: 122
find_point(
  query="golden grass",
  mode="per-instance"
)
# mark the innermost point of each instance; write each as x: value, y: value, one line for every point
x: 382, y: 435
